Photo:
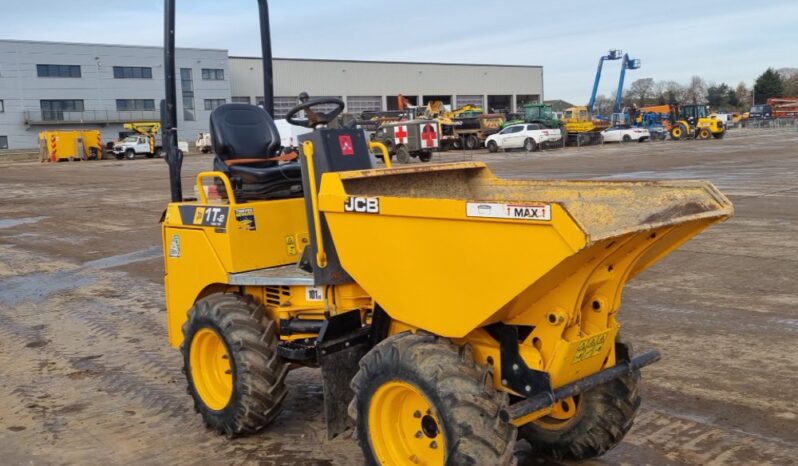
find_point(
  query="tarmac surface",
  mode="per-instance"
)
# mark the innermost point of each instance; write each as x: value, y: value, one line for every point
x: 87, y: 376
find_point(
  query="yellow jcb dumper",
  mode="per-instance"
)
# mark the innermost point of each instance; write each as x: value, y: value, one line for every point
x: 55, y: 146
x: 502, y: 323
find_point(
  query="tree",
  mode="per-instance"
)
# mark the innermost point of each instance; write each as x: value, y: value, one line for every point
x: 672, y: 92
x: 604, y: 104
x: 743, y: 97
x: 641, y: 89
x: 697, y: 90
x: 791, y: 85
x: 768, y: 84
x: 718, y: 96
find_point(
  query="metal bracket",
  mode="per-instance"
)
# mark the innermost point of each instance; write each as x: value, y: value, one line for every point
x: 516, y: 375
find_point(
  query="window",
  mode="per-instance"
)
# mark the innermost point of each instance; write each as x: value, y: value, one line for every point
x: 212, y: 74
x: 58, y: 71
x: 53, y: 110
x: 475, y: 100
x: 523, y: 99
x: 532, y: 127
x: 512, y: 129
x: 2, y: 107
x: 241, y: 99
x: 135, y: 104
x: 360, y: 104
x: 211, y: 104
x: 3, y: 142
x: 281, y: 105
x: 187, y: 84
x: 132, y: 72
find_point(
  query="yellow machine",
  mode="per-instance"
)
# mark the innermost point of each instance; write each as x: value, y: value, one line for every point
x: 694, y: 121
x: 56, y: 146
x: 582, y: 125
x: 498, y: 321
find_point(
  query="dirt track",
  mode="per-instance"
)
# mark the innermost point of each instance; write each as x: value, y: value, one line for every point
x: 87, y: 377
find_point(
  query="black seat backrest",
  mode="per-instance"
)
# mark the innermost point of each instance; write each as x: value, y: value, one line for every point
x: 243, y: 131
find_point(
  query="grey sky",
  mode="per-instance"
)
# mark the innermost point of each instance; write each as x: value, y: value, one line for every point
x: 730, y: 42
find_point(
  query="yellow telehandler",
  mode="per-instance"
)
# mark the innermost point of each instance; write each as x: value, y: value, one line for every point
x: 501, y: 324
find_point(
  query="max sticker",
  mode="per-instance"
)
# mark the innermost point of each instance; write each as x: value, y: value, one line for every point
x: 246, y: 219
x: 509, y: 211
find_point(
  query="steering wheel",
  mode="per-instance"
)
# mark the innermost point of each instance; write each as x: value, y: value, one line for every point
x: 315, y: 118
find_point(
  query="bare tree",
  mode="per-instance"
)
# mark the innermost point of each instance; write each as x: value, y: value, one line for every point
x: 743, y: 96
x: 672, y: 92
x: 697, y: 91
x: 641, y: 89
x: 604, y: 104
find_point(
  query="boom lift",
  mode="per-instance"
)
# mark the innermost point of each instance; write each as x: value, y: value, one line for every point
x: 628, y: 64
x: 501, y: 324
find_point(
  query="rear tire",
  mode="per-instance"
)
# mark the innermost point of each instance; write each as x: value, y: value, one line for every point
x: 249, y: 341
x: 402, y: 154
x: 626, y: 138
x: 458, y: 406
x: 425, y: 156
x: 530, y: 145
x: 471, y: 142
x: 493, y: 147
x: 604, y: 416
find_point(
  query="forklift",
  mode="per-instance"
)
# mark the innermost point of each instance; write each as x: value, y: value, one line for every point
x: 498, y: 321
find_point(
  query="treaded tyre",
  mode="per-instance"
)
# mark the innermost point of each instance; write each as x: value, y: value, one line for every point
x: 493, y: 147
x: 603, y: 417
x: 230, y: 360
x: 402, y: 154
x: 421, y: 399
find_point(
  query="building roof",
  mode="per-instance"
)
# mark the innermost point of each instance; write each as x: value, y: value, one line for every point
x: 91, y: 44
x: 386, y: 62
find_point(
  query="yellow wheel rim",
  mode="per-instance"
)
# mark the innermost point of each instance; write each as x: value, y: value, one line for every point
x: 404, y: 428
x: 561, y: 415
x: 210, y: 369
x: 677, y: 132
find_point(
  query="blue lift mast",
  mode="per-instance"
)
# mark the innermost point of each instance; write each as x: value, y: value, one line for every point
x: 611, y: 55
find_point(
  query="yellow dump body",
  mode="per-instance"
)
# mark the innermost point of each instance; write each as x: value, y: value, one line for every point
x: 68, y: 145
x: 451, y: 248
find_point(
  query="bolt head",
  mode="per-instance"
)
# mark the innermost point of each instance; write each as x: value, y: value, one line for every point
x: 419, y: 434
x: 433, y: 444
x: 527, y: 388
x: 417, y: 414
x: 515, y: 367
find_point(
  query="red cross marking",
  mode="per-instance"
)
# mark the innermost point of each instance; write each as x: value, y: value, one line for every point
x: 400, y: 134
x: 429, y: 136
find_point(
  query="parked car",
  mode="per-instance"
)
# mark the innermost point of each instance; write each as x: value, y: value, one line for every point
x: 527, y: 136
x: 625, y: 133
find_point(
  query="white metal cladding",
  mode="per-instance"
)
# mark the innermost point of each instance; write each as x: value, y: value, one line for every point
x: 476, y: 100
x: 360, y: 78
x: 360, y: 104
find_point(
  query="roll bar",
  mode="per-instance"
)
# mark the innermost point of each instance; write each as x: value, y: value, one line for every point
x: 174, y: 157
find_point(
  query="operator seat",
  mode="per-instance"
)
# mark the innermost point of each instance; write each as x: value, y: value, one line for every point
x: 245, y: 141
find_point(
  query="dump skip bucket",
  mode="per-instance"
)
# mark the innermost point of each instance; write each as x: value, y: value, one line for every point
x: 451, y: 247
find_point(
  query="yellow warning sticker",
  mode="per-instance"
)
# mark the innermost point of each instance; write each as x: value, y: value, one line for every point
x: 590, y: 347
x: 198, y: 215
x: 290, y: 244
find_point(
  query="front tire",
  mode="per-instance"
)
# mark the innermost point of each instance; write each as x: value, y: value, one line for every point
x: 603, y: 417
x: 130, y: 154
x: 231, y: 364
x: 678, y: 132
x: 425, y: 156
x: 493, y: 147
x: 419, y: 396
x: 704, y: 134
x: 402, y: 154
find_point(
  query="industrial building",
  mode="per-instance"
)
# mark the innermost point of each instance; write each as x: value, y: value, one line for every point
x: 49, y: 85
x: 374, y: 85
x: 52, y: 85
